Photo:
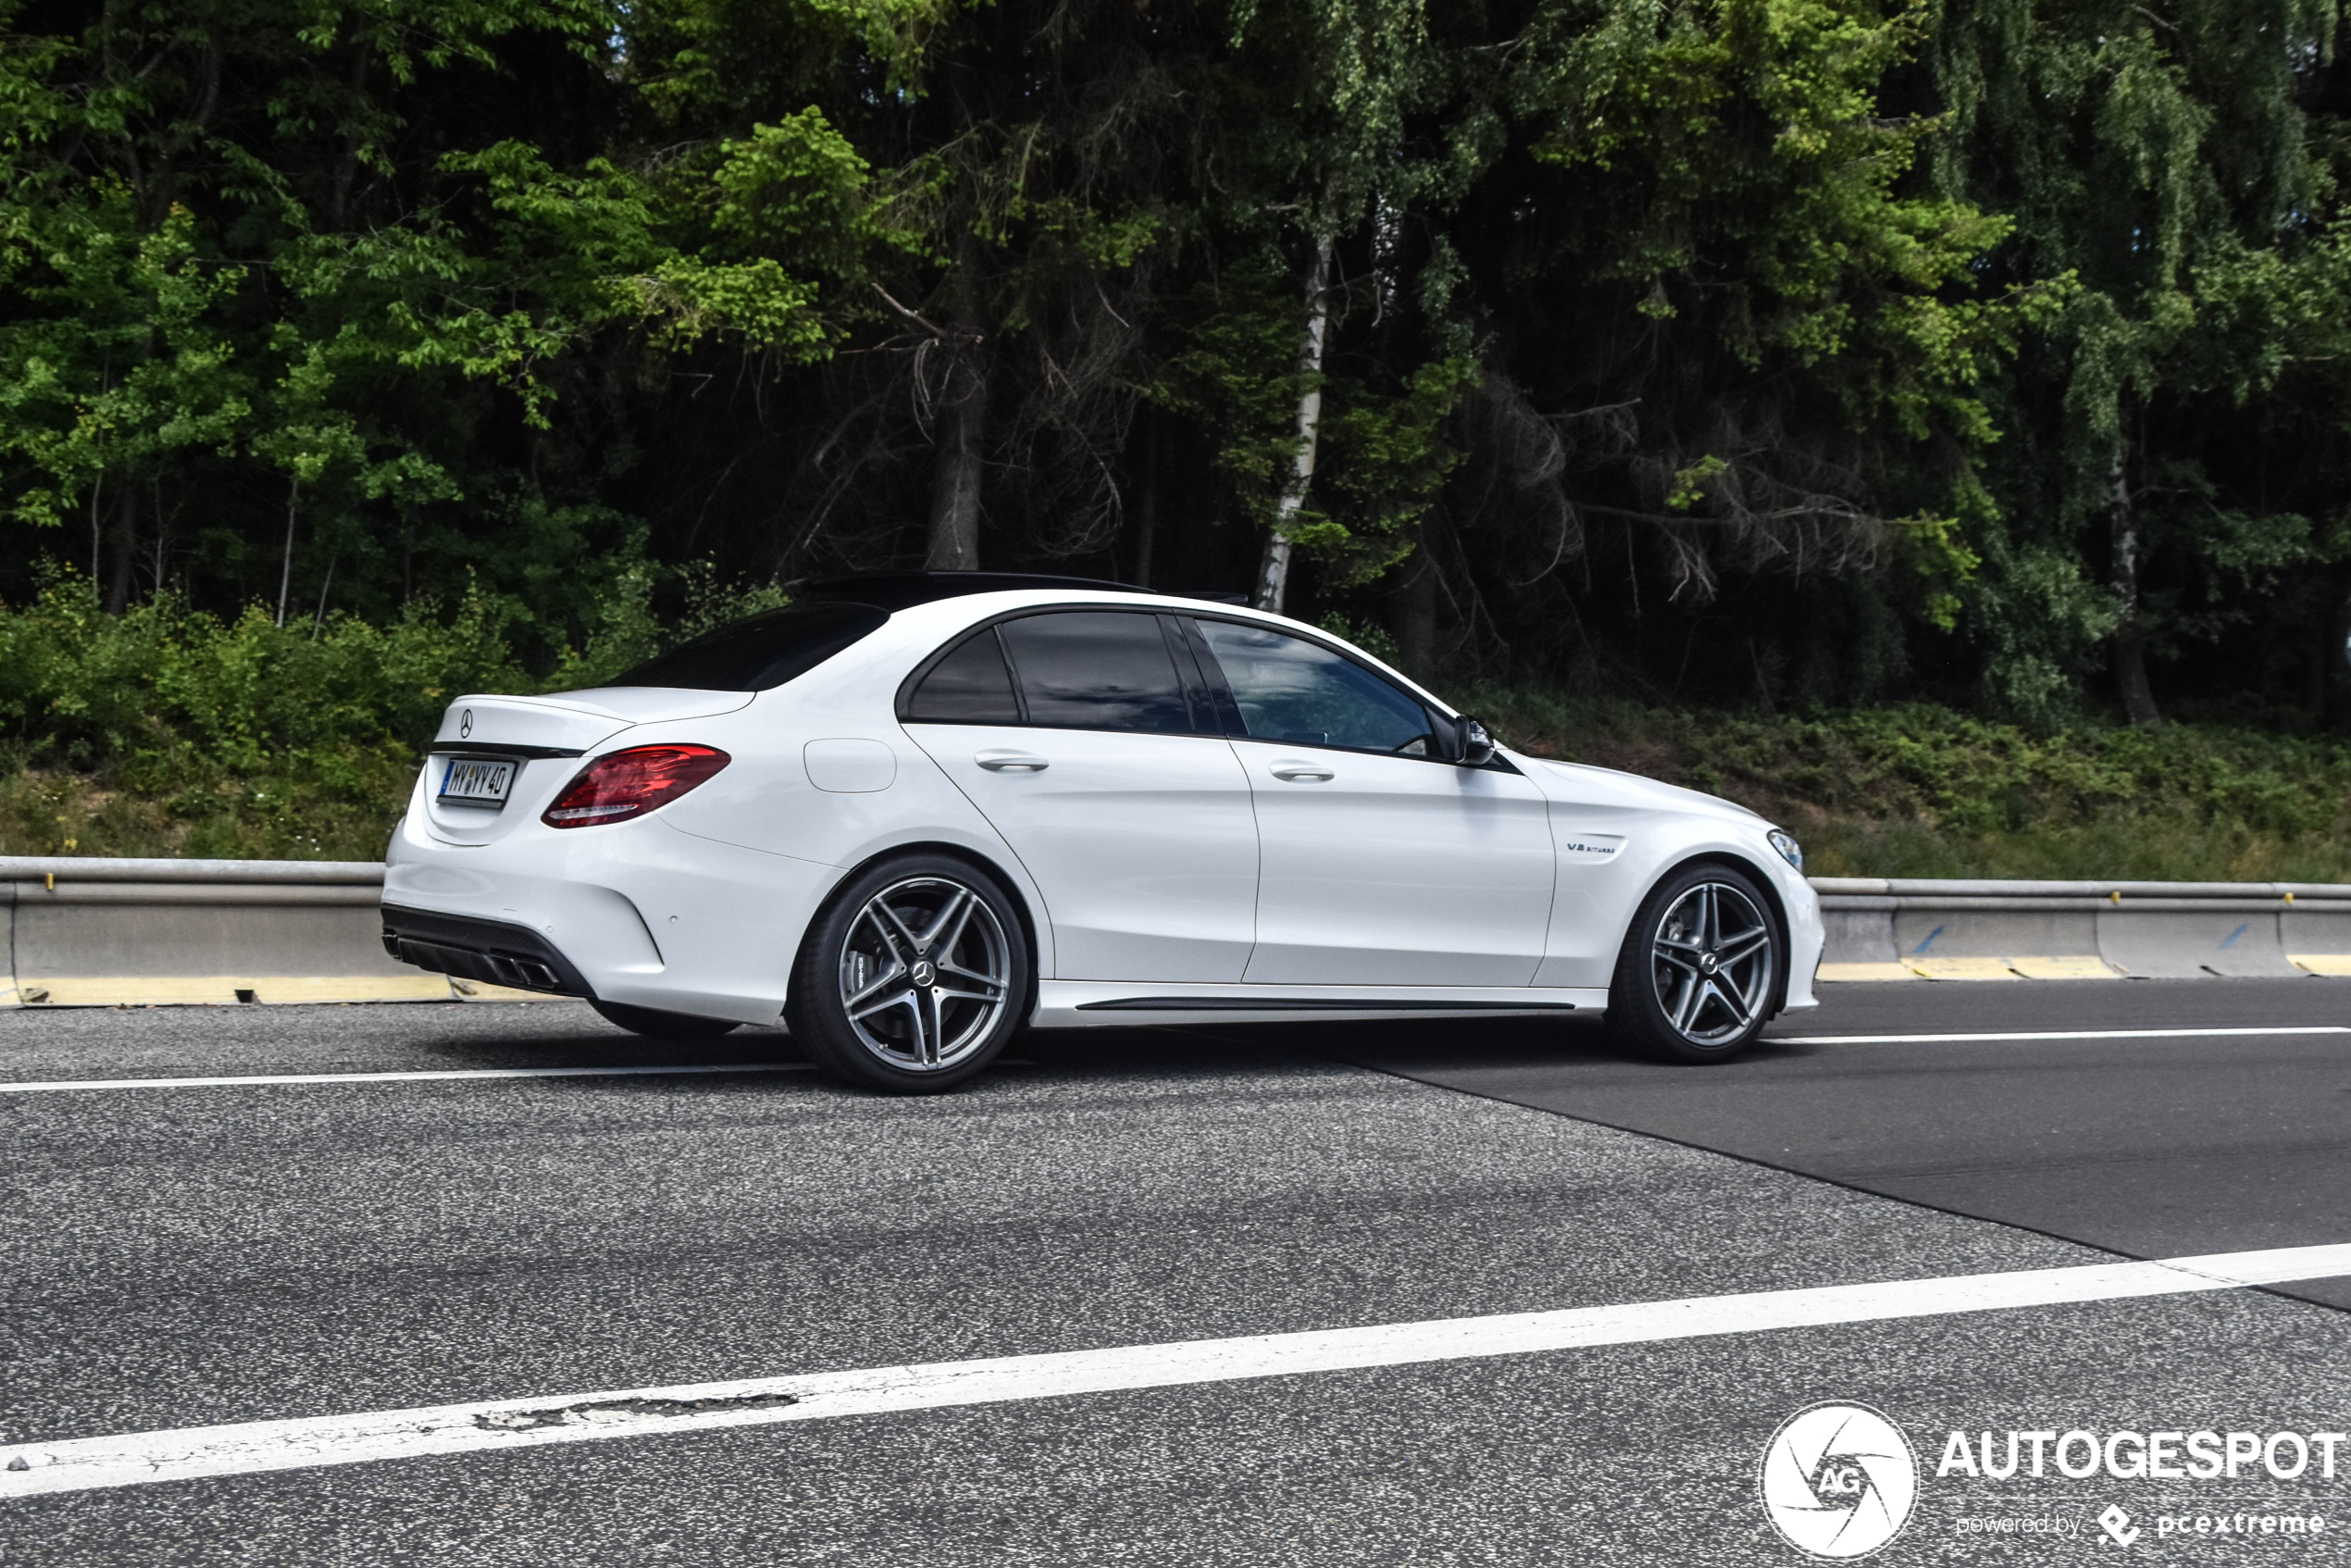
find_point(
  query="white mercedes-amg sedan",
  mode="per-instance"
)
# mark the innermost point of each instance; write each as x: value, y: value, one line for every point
x: 911, y: 814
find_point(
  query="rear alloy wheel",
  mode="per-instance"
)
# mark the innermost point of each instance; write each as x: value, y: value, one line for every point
x: 912, y: 978
x: 662, y: 1026
x: 1700, y: 967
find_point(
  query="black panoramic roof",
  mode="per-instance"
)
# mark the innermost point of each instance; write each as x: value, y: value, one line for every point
x: 898, y: 591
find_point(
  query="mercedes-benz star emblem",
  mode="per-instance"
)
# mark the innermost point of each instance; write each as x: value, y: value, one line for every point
x: 924, y: 972
x: 466, y: 725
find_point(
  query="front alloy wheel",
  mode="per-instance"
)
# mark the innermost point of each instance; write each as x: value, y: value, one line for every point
x: 1711, y: 964
x: 1699, y: 974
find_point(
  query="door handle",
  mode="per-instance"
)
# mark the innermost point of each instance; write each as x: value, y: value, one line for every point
x: 1301, y: 772
x: 1011, y: 762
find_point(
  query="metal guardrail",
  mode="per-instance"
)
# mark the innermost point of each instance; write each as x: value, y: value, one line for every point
x: 109, y: 932
x: 93, y: 932
x: 1897, y: 927
x: 1955, y: 887
x: 271, y: 873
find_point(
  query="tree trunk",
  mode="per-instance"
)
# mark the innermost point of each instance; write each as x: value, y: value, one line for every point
x: 959, y: 443
x: 126, y: 528
x: 1147, y: 502
x: 955, y: 492
x: 285, y: 573
x: 163, y: 535
x: 2334, y: 681
x: 1272, y: 573
x: 2130, y: 646
x: 1413, y: 604
x: 97, y: 525
x: 320, y: 618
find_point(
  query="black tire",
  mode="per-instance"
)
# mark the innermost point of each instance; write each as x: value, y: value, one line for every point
x: 662, y: 1026
x: 1703, y: 967
x: 913, y: 976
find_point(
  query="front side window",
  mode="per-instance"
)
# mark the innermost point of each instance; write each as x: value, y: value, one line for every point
x: 1097, y: 669
x: 1295, y: 691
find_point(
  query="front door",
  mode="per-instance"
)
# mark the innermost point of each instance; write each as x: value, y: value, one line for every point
x: 1380, y: 863
x: 1074, y: 735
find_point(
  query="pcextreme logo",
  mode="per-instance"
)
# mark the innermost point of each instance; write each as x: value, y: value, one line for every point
x: 1838, y: 1480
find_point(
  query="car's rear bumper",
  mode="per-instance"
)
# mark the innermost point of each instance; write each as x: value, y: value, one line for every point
x: 497, y: 952
x: 636, y: 914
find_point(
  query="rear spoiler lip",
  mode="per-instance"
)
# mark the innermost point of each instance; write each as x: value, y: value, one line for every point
x: 493, y: 750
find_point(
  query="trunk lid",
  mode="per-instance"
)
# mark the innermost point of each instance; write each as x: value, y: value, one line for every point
x: 543, y: 740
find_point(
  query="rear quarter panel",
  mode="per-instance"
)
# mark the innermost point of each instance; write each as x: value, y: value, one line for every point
x: 767, y: 800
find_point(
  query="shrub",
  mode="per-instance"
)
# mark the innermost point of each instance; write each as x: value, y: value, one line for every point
x: 166, y: 730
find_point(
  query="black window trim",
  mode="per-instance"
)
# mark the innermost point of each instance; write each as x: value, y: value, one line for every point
x: 1224, y: 715
x: 1184, y: 673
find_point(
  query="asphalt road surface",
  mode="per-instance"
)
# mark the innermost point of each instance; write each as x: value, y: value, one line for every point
x: 210, y: 1257
x: 2154, y: 1145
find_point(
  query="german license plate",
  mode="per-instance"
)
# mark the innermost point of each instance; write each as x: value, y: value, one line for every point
x: 477, y: 781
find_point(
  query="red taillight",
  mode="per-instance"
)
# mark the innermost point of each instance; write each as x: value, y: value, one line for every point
x: 630, y: 783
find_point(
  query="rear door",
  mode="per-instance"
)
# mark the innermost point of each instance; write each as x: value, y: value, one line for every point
x: 1083, y: 736
x: 1380, y: 863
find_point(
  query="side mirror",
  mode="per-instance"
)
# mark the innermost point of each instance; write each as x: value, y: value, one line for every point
x: 1472, y: 745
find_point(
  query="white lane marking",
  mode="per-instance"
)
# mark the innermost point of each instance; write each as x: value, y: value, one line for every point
x: 2057, y: 1034
x: 47, y: 1085
x: 88, y: 1463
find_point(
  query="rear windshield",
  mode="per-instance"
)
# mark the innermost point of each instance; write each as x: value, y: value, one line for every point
x: 760, y: 651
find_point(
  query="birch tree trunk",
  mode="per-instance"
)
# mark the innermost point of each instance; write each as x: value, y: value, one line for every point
x: 2130, y: 646
x: 1272, y: 573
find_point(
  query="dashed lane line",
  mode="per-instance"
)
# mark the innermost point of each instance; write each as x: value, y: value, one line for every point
x: 2057, y: 1034
x: 89, y: 1463
x: 51, y: 1085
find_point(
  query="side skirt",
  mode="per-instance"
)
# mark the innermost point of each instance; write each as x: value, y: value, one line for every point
x: 1097, y: 1003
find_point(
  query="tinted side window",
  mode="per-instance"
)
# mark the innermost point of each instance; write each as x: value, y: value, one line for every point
x: 1292, y: 690
x: 761, y: 651
x: 1097, y: 669
x: 969, y: 686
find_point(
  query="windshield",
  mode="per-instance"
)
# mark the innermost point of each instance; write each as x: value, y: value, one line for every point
x: 762, y: 650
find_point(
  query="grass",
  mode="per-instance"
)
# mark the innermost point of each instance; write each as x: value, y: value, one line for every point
x: 1919, y: 791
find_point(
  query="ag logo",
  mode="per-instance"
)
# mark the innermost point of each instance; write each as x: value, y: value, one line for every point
x: 1838, y: 1480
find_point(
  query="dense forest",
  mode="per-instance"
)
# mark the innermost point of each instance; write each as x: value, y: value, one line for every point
x: 1766, y: 356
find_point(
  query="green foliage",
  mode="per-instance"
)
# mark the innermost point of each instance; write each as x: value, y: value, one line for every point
x: 1918, y: 790
x: 168, y: 731
x: 1731, y: 350
x: 1753, y: 126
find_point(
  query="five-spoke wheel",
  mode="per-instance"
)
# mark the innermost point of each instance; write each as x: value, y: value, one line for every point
x: 924, y: 972
x: 1700, y: 969
x: 912, y: 978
